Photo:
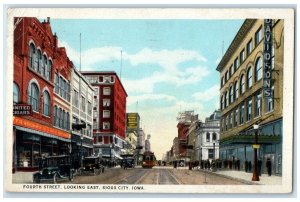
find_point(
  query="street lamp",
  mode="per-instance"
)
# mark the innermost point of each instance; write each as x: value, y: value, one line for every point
x: 214, y: 144
x: 255, y: 176
x: 81, y: 154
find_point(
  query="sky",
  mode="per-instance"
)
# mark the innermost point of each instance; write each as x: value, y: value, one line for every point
x: 167, y: 66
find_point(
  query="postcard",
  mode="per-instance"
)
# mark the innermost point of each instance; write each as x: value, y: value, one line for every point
x: 149, y: 100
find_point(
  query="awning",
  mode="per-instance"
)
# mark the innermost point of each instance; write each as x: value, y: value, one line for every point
x: 41, y: 133
x: 250, y: 139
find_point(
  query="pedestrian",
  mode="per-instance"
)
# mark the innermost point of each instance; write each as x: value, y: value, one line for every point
x: 246, y: 166
x: 269, y: 166
x: 238, y: 164
x: 250, y: 166
x: 259, y: 164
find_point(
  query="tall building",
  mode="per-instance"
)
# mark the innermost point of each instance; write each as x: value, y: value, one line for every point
x: 148, y: 143
x: 42, y: 74
x: 251, y: 74
x: 191, y: 137
x: 109, y: 112
x: 82, y: 96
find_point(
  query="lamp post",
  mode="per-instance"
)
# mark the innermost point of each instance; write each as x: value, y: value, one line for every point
x: 255, y: 176
x: 81, y: 154
x: 214, y: 157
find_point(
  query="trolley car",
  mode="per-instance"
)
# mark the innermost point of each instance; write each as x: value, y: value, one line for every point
x: 149, y: 160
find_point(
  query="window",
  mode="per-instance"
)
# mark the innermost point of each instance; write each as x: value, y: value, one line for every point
x: 258, y: 69
x: 56, y: 83
x: 60, y: 86
x: 46, y: 107
x: 90, y: 108
x: 236, y: 111
x: 68, y: 121
x: 55, y: 116
x: 242, y: 84
x: 68, y: 90
x: 258, y: 104
x: 64, y: 88
x: 214, y: 136
x: 242, y: 56
x: 65, y: 121
x: 226, y: 76
x: 207, y: 137
x: 230, y: 70
x: 106, y: 113
x: 258, y: 36
x: 236, y: 90
x: 59, y: 114
x: 230, y: 120
x: 38, y: 61
x: 222, y: 102
x: 227, y: 122
x: 226, y: 99
x: 249, y: 47
x: 49, y: 70
x: 222, y: 81
x: 236, y: 63
x: 270, y: 102
x: 106, y: 102
x: 106, y: 126
x: 106, y: 91
x: 33, y: 96
x: 16, y: 93
x: 231, y: 95
x: 242, y: 108
x: 75, y: 99
x: 249, y: 109
x: 43, y: 66
x: 249, y: 78
x: 82, y: 103
x: 210, y: 153
x: 31, y: 55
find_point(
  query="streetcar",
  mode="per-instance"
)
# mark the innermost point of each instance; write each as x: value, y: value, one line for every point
x: 149, y: 160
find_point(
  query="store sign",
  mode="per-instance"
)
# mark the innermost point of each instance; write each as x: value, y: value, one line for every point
x: 22, y: 110
x: 268, y: 43
x: 256, y: 146
x: 132, y: 120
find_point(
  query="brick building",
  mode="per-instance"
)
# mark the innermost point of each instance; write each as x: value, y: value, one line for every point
x: 37, y: 62
x: 109, y: 113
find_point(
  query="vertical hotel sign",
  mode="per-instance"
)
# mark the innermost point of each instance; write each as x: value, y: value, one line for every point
x: 268, y: 43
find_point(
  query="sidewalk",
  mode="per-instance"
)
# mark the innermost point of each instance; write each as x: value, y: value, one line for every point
x: 264, y: 179
x: 22, y: 177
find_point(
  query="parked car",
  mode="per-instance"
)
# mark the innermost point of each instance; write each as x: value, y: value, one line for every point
x: 128, y: 163
x: 54, y: 169
x: 92, y: 164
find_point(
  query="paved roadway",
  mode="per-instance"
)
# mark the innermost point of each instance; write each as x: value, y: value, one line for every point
x: 154, y: 176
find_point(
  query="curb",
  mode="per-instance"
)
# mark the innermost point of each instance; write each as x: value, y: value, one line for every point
x: 230, y: 177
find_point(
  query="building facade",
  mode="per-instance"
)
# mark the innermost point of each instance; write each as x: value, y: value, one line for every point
x: 207, y: 138
x: 37, y: 61
x: 193, y: 154
x: 82, y: 96
x: 109, y: 113
x: 244, y: 74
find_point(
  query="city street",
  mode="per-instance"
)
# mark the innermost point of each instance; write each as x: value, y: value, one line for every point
x: 156, y: 175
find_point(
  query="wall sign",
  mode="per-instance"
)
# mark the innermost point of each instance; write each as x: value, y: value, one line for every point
x: 268, y: 43
x: 22, y: 110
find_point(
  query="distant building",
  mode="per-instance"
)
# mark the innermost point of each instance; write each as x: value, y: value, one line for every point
x: 148, y: 143
x: 193, y: 155
x: 109, y: 113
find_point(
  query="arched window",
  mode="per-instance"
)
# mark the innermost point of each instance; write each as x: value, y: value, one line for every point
x: 230, y: 94
x: 59, y: 115
x: 31, y: 55
x: 249, y: 77
x: 16, y: 97
x: 242, y: 84
x: 44, y: 65
x: 49, y: 70
x: 33, y: 96
x: 38, y: 60
x: 46, y: 107
x: 207, y: 137
x: 226, y: 99
x: 214, y: 136
x: 236, y: 90
x: 258, y: 69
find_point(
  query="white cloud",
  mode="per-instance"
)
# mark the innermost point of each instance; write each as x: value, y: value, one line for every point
x: 208, y: 94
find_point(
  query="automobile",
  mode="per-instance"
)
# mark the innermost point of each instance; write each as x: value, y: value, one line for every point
x: 92, y: 164
x: 54, y: 169
x: 128, y: 163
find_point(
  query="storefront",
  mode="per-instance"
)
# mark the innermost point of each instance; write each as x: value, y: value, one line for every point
x: 238, y: 148
x: 31, y: 144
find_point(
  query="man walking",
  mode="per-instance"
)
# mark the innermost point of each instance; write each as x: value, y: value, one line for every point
x: 269, y: 166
